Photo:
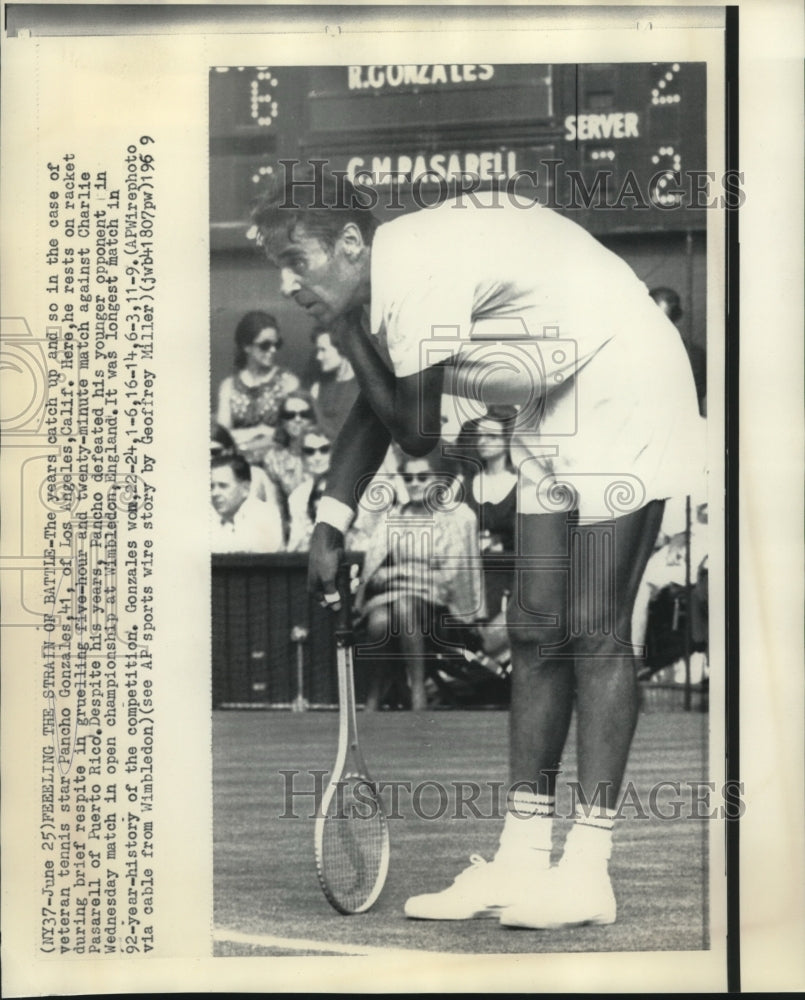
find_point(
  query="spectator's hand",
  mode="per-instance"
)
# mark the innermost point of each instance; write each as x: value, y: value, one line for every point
x: 326, y: 551
x: 254, y: 443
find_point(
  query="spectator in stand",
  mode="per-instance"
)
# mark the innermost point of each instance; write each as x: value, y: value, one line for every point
x: 668, y: 300
x: 316, y: 449
x: 491, y: 491
x: 411, y: 579
x: 249, y: 401
x: 283, y: 460
x: 668, y: 567
x: 303, y: 502
x: 241, y: 522
x: 222, y: 443
x: 336, y: 389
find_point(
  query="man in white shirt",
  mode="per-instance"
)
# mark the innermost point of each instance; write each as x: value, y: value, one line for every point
x: 241, y: 522
x: 502, y: 302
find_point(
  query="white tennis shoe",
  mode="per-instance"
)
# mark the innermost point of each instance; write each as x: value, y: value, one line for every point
x: 569, y: 896
x: 484, y: 889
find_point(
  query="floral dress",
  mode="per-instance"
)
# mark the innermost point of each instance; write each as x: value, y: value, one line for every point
x: 251, y: 405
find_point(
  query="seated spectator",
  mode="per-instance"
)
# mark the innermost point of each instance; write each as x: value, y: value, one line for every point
x: 241, y: 523
x: 336, y: 389
x: 222, y: 443
x: 668, y: 567
x: 283, y: 460
x: 491, y: 490
x: 249, y: 401
x: 411, y: 578
x: 316, y: 449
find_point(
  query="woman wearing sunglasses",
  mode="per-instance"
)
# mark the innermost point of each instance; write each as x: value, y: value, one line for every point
x: 249, y: 400
x: 283, y: 461
x: 315, y: 462
x: 421, y: 564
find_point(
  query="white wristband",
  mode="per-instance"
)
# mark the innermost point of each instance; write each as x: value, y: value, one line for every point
x: 338, y: 515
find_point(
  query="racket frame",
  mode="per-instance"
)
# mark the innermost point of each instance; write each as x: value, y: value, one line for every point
x: 348, y: 747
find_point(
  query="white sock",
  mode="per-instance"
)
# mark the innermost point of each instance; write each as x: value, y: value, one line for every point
x: 589, y: 841
x: 527, y: 830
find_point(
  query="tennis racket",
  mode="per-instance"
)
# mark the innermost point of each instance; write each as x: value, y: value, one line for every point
x: 351, y: 832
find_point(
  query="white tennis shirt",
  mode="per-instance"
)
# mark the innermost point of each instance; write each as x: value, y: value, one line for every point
x: 532, y: 310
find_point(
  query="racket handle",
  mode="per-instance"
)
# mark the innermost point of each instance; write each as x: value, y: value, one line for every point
x: 343, y: 626
x: 344, y: 637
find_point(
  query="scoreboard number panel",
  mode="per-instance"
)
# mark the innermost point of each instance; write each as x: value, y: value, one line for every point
x: 617, y: 145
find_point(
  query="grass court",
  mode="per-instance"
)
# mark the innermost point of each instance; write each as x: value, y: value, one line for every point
x: 267, y: 896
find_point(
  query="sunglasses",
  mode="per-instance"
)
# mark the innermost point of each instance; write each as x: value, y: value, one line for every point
x: 293, y: 414
x: 266, y: 345
x: 417, y: 477
x: 323, y: 449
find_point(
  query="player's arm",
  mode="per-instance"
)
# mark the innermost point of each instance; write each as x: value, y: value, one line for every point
x: 357, y: 455
x: 407, y: 410
x: 410, y: 406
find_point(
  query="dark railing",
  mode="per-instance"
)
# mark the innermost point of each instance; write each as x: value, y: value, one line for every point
x: 262, y: 614
x: 257, y: 602
x: 264, y: 625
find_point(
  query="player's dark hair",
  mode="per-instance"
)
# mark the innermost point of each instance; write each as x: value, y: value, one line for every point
x: 314, y: 200
x: 241, y: 469
x: 247, y: 331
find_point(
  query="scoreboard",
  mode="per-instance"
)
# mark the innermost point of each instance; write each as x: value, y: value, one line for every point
x: 619, y: 147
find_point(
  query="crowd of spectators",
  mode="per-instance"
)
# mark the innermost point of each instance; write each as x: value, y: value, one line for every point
x: 283, y: 432
x: 422, y: 522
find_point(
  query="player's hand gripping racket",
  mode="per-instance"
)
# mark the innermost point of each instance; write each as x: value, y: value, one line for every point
x: 351, y: 833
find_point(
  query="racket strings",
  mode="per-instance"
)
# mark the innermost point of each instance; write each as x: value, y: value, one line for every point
x: 354, y: 846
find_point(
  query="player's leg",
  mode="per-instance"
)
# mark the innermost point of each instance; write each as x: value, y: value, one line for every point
x: 606, y: 675
x: 543, y: 686
x: 580, y: 890
x: 541, y: 706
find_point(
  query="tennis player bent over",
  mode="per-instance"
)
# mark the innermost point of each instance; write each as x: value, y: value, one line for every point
x: 499, y: 302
